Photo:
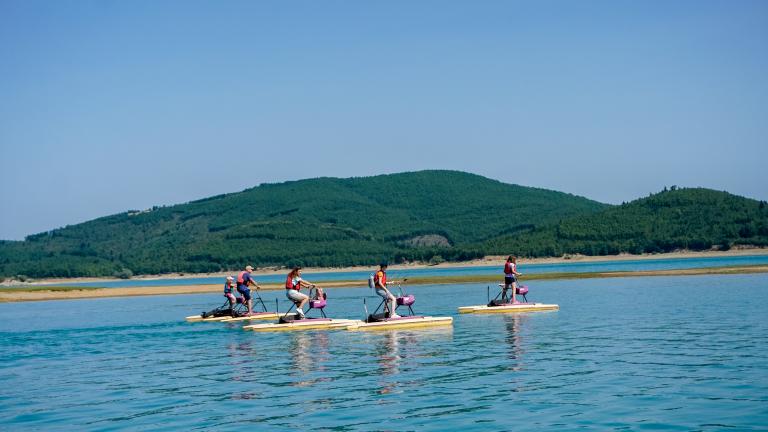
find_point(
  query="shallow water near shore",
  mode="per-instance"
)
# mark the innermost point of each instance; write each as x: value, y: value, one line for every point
x: 675, y: 353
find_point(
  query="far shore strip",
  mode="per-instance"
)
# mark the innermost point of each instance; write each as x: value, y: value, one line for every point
x: 71, y: 293
x: 482, y: 262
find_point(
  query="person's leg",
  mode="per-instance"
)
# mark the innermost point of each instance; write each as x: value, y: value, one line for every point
x: 392, y: 306
x: 385, y: 295
x: 301, y: 300
x: 514, y: 291
x: 507, y: 286
x: 300, y: 307
x: 298, y: 299
x: 249, y: 301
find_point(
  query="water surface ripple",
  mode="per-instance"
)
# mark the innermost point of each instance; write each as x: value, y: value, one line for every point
x: 673, y: 353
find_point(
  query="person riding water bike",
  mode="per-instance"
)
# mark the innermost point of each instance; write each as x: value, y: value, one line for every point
x: 244, y: 282
x: 510, y: 278
x: 229, y: 288
x: 293, y: 284
x: 380, y: 284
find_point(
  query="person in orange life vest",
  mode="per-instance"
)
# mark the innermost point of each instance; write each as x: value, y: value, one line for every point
x: 510, y: 277
x: 380, y: 283
x: 293, y: 284
x: 244, y: 282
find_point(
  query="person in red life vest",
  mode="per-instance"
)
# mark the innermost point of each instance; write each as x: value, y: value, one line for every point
x: 510, y: 277
x: 380, y: 283
x: 244, y: 282
x: 293, y: 284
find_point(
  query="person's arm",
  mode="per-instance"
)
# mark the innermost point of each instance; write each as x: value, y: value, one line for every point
x: 310, y: 285
x: 382, y: 286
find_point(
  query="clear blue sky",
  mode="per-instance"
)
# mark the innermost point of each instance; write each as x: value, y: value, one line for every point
x: 107, y: 106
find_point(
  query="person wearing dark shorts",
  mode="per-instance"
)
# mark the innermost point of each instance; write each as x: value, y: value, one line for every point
x: 244, y: 282
x: 510, y: 277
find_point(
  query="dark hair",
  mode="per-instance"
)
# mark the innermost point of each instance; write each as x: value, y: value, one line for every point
x: 511, y: 258
x: 383, y: 265
x: 294, y: 271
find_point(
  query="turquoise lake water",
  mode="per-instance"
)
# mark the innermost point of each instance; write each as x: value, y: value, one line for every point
x: 661, y: 353
x: 578, y: 267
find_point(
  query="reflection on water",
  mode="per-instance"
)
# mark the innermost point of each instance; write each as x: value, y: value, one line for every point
x: 308, y: 352
x: 388, y: 358
x: 240, y: 356
x: 398, y: 352
x: 301, y: 358
x: 513, y: 324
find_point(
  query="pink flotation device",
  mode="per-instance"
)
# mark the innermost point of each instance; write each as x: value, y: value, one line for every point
x: 522, y: 290
x: 317, y: 304
x: 406, y: 300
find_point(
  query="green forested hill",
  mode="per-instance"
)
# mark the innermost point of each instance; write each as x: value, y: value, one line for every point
x: 426, y: 215
x: 694, y: 219
x: 318, y: 222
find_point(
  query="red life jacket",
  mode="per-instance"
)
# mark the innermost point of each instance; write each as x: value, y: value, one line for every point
x: 508, y: 269
x: 289, y: 284
x: 241, y: 277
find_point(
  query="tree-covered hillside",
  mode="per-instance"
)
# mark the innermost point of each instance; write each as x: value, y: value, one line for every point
x: 317, y: 222
x: 694, y: 219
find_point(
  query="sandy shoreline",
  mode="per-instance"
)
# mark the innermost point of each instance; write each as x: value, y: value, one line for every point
x: 486, y: 261
x: 42, y: 294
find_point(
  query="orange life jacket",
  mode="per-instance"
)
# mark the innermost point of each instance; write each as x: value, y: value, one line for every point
x: 381, y: 277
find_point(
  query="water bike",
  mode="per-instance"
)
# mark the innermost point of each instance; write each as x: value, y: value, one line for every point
x: 227, y: 313
x: 502, y: 304
x: 289, y: 322
x: 381, y: 321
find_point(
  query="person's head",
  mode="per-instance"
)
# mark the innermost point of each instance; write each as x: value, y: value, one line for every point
x: 249, y: 268
x: 383, y: 266
x: 295, y: 271
x: 512, y: 258
x: 230, y: 280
